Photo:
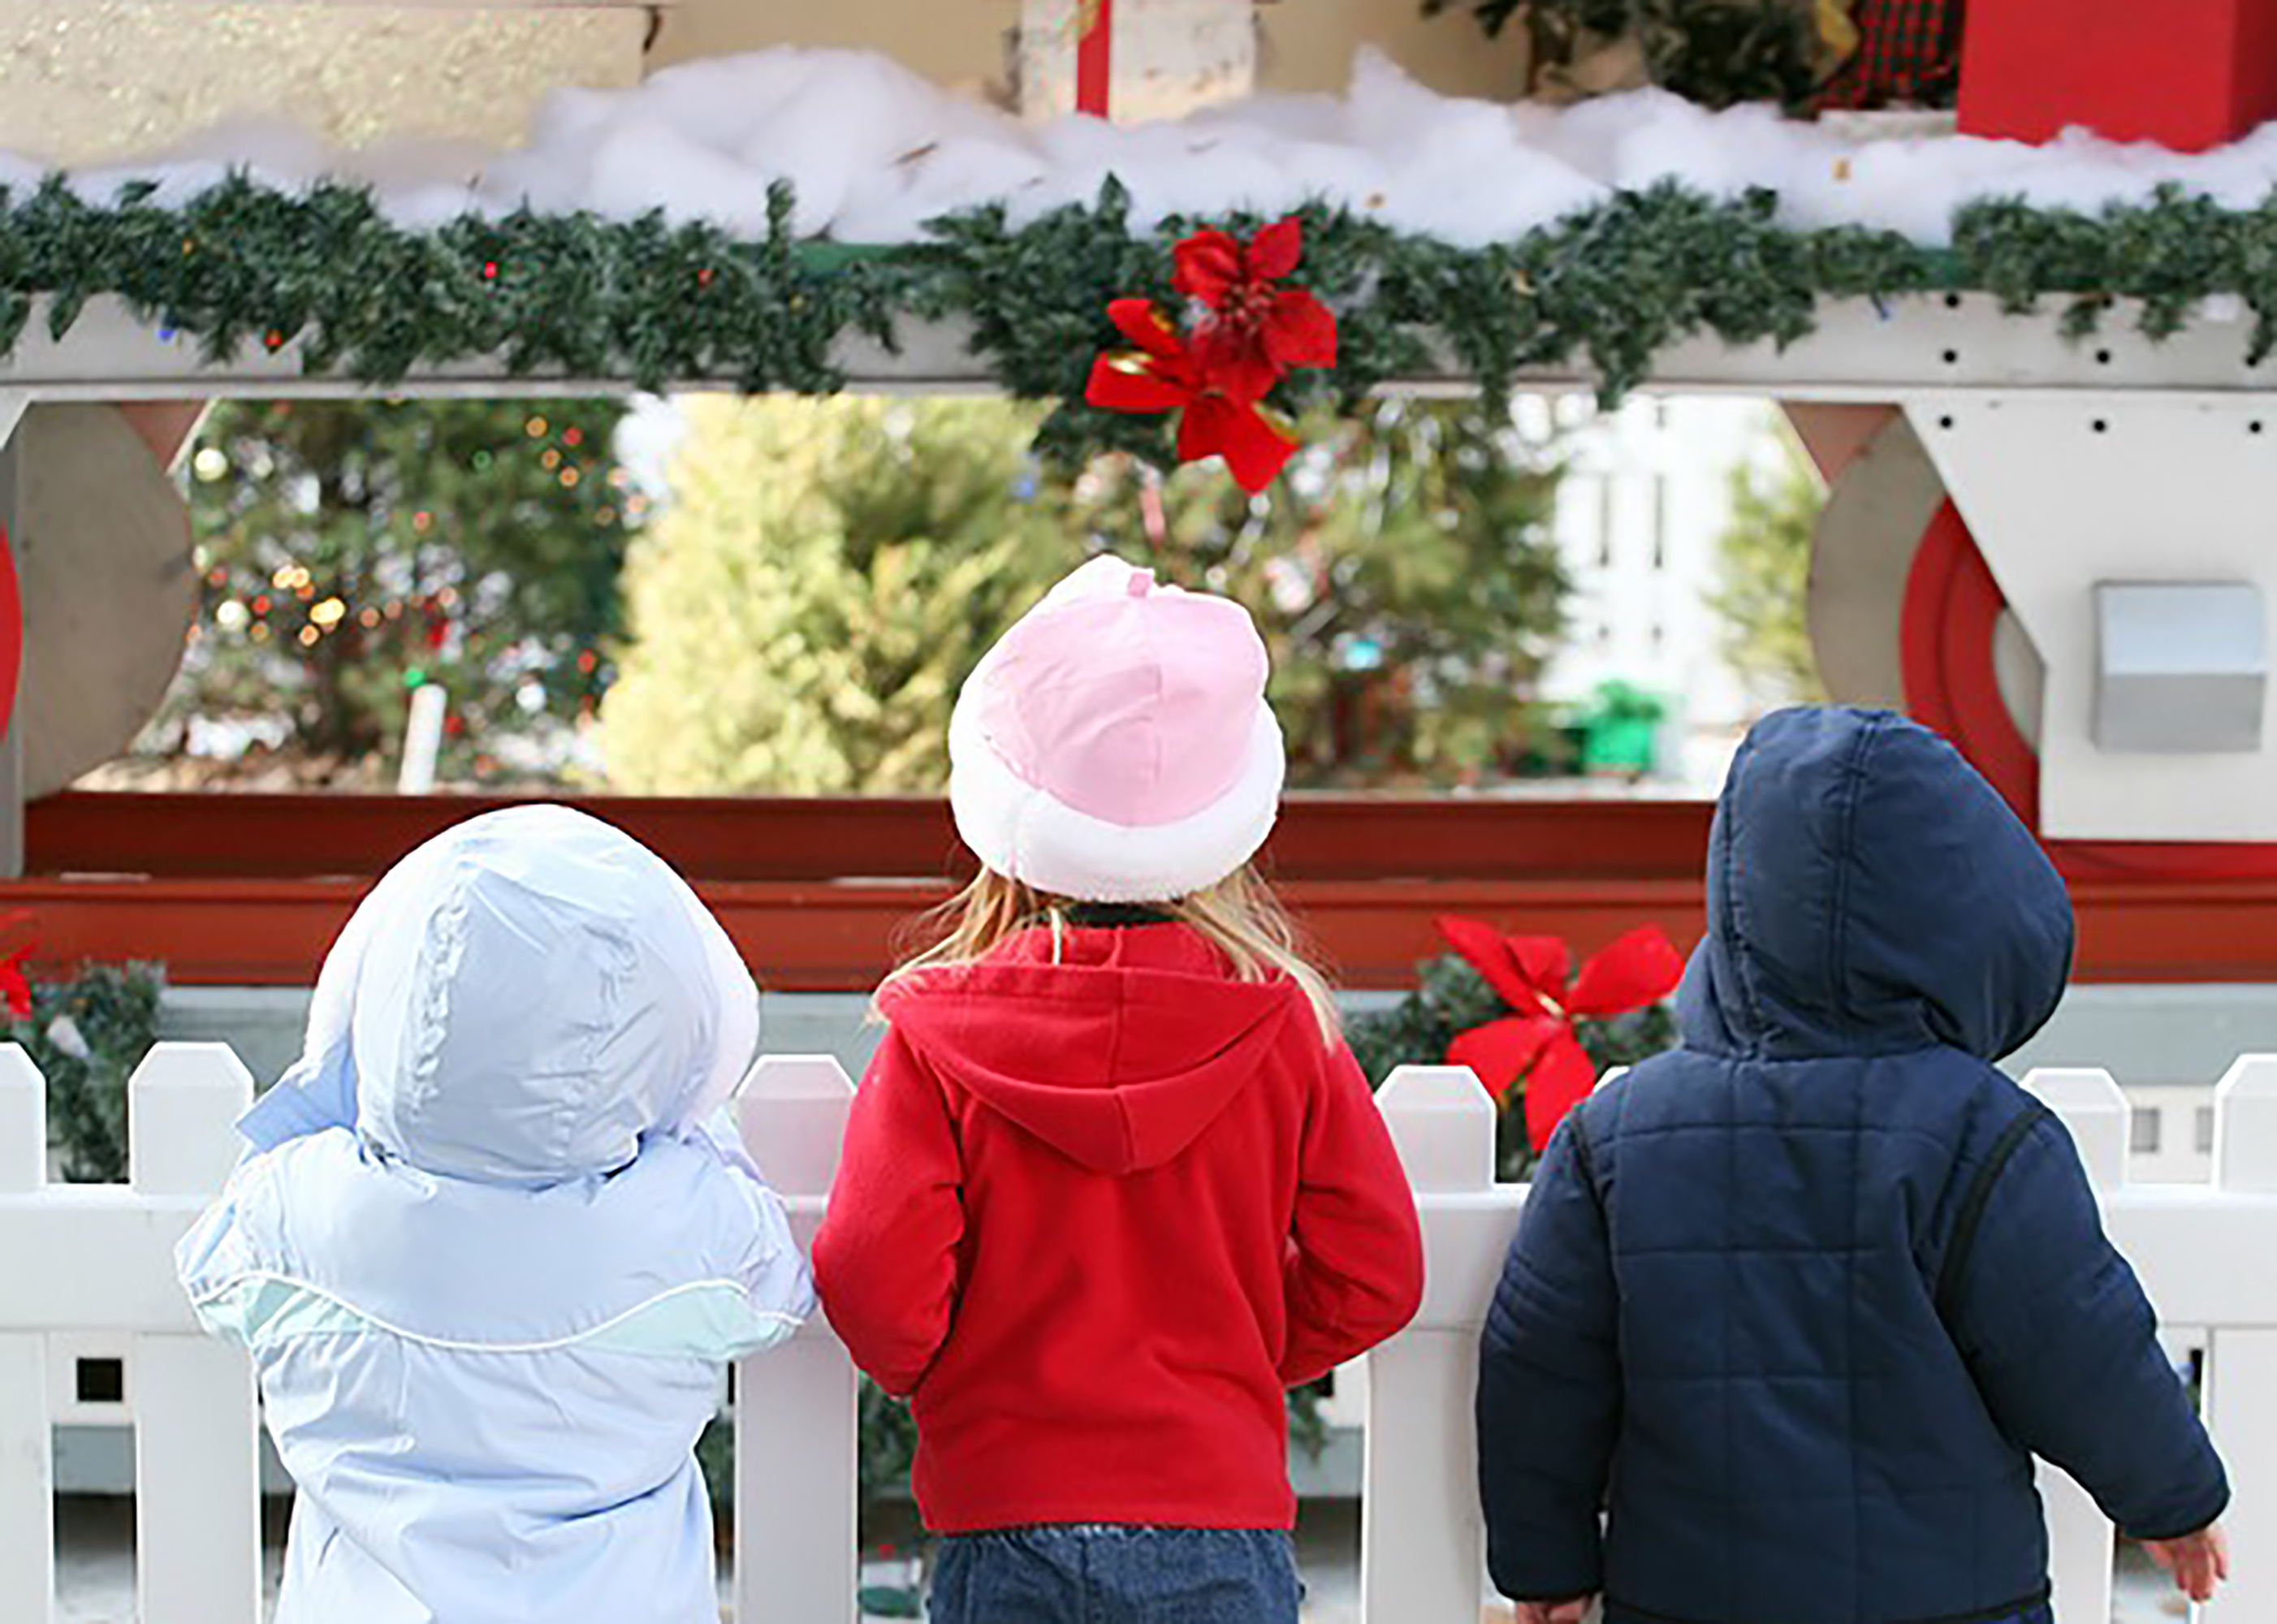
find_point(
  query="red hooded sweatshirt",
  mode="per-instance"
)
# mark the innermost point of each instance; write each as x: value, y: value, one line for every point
x: 1094, y: 1216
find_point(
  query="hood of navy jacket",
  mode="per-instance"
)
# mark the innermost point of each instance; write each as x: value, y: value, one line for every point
x: 1115, y: 1047
x: 1791, y: 1307
x: 1869, y: 893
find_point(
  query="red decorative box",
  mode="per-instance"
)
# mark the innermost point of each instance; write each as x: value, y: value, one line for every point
x: 2188, y: 74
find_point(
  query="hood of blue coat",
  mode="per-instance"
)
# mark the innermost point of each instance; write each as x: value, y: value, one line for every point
x: 520, y: 1001
x: 1869, y: 893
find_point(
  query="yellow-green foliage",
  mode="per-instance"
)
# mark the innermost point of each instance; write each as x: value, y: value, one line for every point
x: 1764, y: 596
x: 826, y: 576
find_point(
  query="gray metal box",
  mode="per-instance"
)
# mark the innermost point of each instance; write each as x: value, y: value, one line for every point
x: 2182, y: 667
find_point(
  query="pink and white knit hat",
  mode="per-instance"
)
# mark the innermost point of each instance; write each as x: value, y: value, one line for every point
x: 1115, y: 745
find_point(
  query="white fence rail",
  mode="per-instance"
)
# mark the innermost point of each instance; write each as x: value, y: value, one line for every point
x: 85, y: 1266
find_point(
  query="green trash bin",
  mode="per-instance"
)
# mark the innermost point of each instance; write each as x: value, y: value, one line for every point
x: 1620, y: 731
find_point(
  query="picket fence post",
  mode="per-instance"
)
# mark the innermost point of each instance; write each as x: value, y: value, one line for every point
x: 27, y: 1504
x: 2081, y: 1540
x: 797, y: 1553
x: 197, y: 1444
x: 2241, y: 1376
x: 1422, y: 1547
x: 796, y: 1500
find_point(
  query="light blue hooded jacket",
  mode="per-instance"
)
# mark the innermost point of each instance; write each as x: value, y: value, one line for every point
x: 493, y: 1243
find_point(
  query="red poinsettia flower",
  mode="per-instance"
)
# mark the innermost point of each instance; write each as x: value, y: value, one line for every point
x: 1537, y: 1042
x: 15, y: 985
x: 1256, y: 330
x: 1163, y: 374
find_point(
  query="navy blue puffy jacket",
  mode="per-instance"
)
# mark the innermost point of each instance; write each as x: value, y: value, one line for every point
x: 1795, y: 1305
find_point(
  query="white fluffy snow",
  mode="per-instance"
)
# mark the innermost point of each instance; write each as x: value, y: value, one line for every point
x: 873, y: 151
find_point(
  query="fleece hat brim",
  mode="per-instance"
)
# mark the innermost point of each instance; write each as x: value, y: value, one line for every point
x: 1116, y: 744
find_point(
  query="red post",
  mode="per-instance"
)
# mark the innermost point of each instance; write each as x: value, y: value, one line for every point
x: 1094, y: 56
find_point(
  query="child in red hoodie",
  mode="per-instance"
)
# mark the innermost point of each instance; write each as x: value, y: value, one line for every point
x: 1114, y: 1180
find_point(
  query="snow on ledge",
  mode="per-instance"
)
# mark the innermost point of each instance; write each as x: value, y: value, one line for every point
x: 873, y: 151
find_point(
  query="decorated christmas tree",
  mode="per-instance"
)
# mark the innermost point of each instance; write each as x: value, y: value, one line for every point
x: 353, y: 552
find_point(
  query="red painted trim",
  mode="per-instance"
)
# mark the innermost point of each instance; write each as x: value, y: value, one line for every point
x: 764, y: 838
x: 312, y: 837
x: 843, y: 937
x: 1094, y: 58
x: 1952, y: 605
x: 803, y: 937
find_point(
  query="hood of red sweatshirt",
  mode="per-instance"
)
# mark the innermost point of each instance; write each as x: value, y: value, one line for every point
x: 1118, y: 1055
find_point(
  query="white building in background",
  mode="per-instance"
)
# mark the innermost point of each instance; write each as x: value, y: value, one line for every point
x: 1640, y: 514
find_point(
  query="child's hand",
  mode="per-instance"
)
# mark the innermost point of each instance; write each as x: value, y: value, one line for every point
x: 1554, y: 1612
x: 2198, y: 1561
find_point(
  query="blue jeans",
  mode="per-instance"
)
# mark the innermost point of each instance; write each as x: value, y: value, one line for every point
x: 1095, y: 1574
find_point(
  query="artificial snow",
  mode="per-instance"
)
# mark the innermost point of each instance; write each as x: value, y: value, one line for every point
x: 873, y: 151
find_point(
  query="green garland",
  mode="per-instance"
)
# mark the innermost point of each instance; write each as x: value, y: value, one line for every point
x: 87, y: 1035
x: 1606, y: 290
x: 1716, y: 52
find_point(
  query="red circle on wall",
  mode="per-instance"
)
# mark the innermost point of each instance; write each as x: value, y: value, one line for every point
x: 1952, y: 607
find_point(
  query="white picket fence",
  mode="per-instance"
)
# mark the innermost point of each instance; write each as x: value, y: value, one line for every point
x: 91, y: 1267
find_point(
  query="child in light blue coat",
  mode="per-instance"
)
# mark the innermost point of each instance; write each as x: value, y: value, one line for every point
x: 493, y: 1244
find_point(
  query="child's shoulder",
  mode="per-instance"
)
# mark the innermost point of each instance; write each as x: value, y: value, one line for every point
x: 1940, y: 1095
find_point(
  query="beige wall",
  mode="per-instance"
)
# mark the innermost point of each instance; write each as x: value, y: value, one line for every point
x: 84, y: 84
x: 956, y: 41
x: 1307, y: 45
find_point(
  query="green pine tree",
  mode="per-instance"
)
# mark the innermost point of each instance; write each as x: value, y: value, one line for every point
x: 1404, y: 575
x: 827, y: 577
x: 355, y: 549
x: 829, y: 572
x: 1765, y: 594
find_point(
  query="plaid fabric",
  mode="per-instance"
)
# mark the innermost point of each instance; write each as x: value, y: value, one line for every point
x: 1908, y: 54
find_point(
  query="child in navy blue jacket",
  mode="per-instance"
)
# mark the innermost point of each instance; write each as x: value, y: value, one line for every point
x: 1792, y: 1308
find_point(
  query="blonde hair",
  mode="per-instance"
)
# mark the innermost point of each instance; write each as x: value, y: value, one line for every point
x: 1239, y: 916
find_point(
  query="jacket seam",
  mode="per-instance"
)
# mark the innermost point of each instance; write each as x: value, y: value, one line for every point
x: 1999, y: 1614
x: 1734, y: 914
x: 1970, y: 1219
x: 1128, y: 1129
x: 1853, y: 784
x: 269, y: 1276
x: 1728, y: 1457
x: 1851, y: 1342
x: 1665, y: 1129
x: 1585, y: 1162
